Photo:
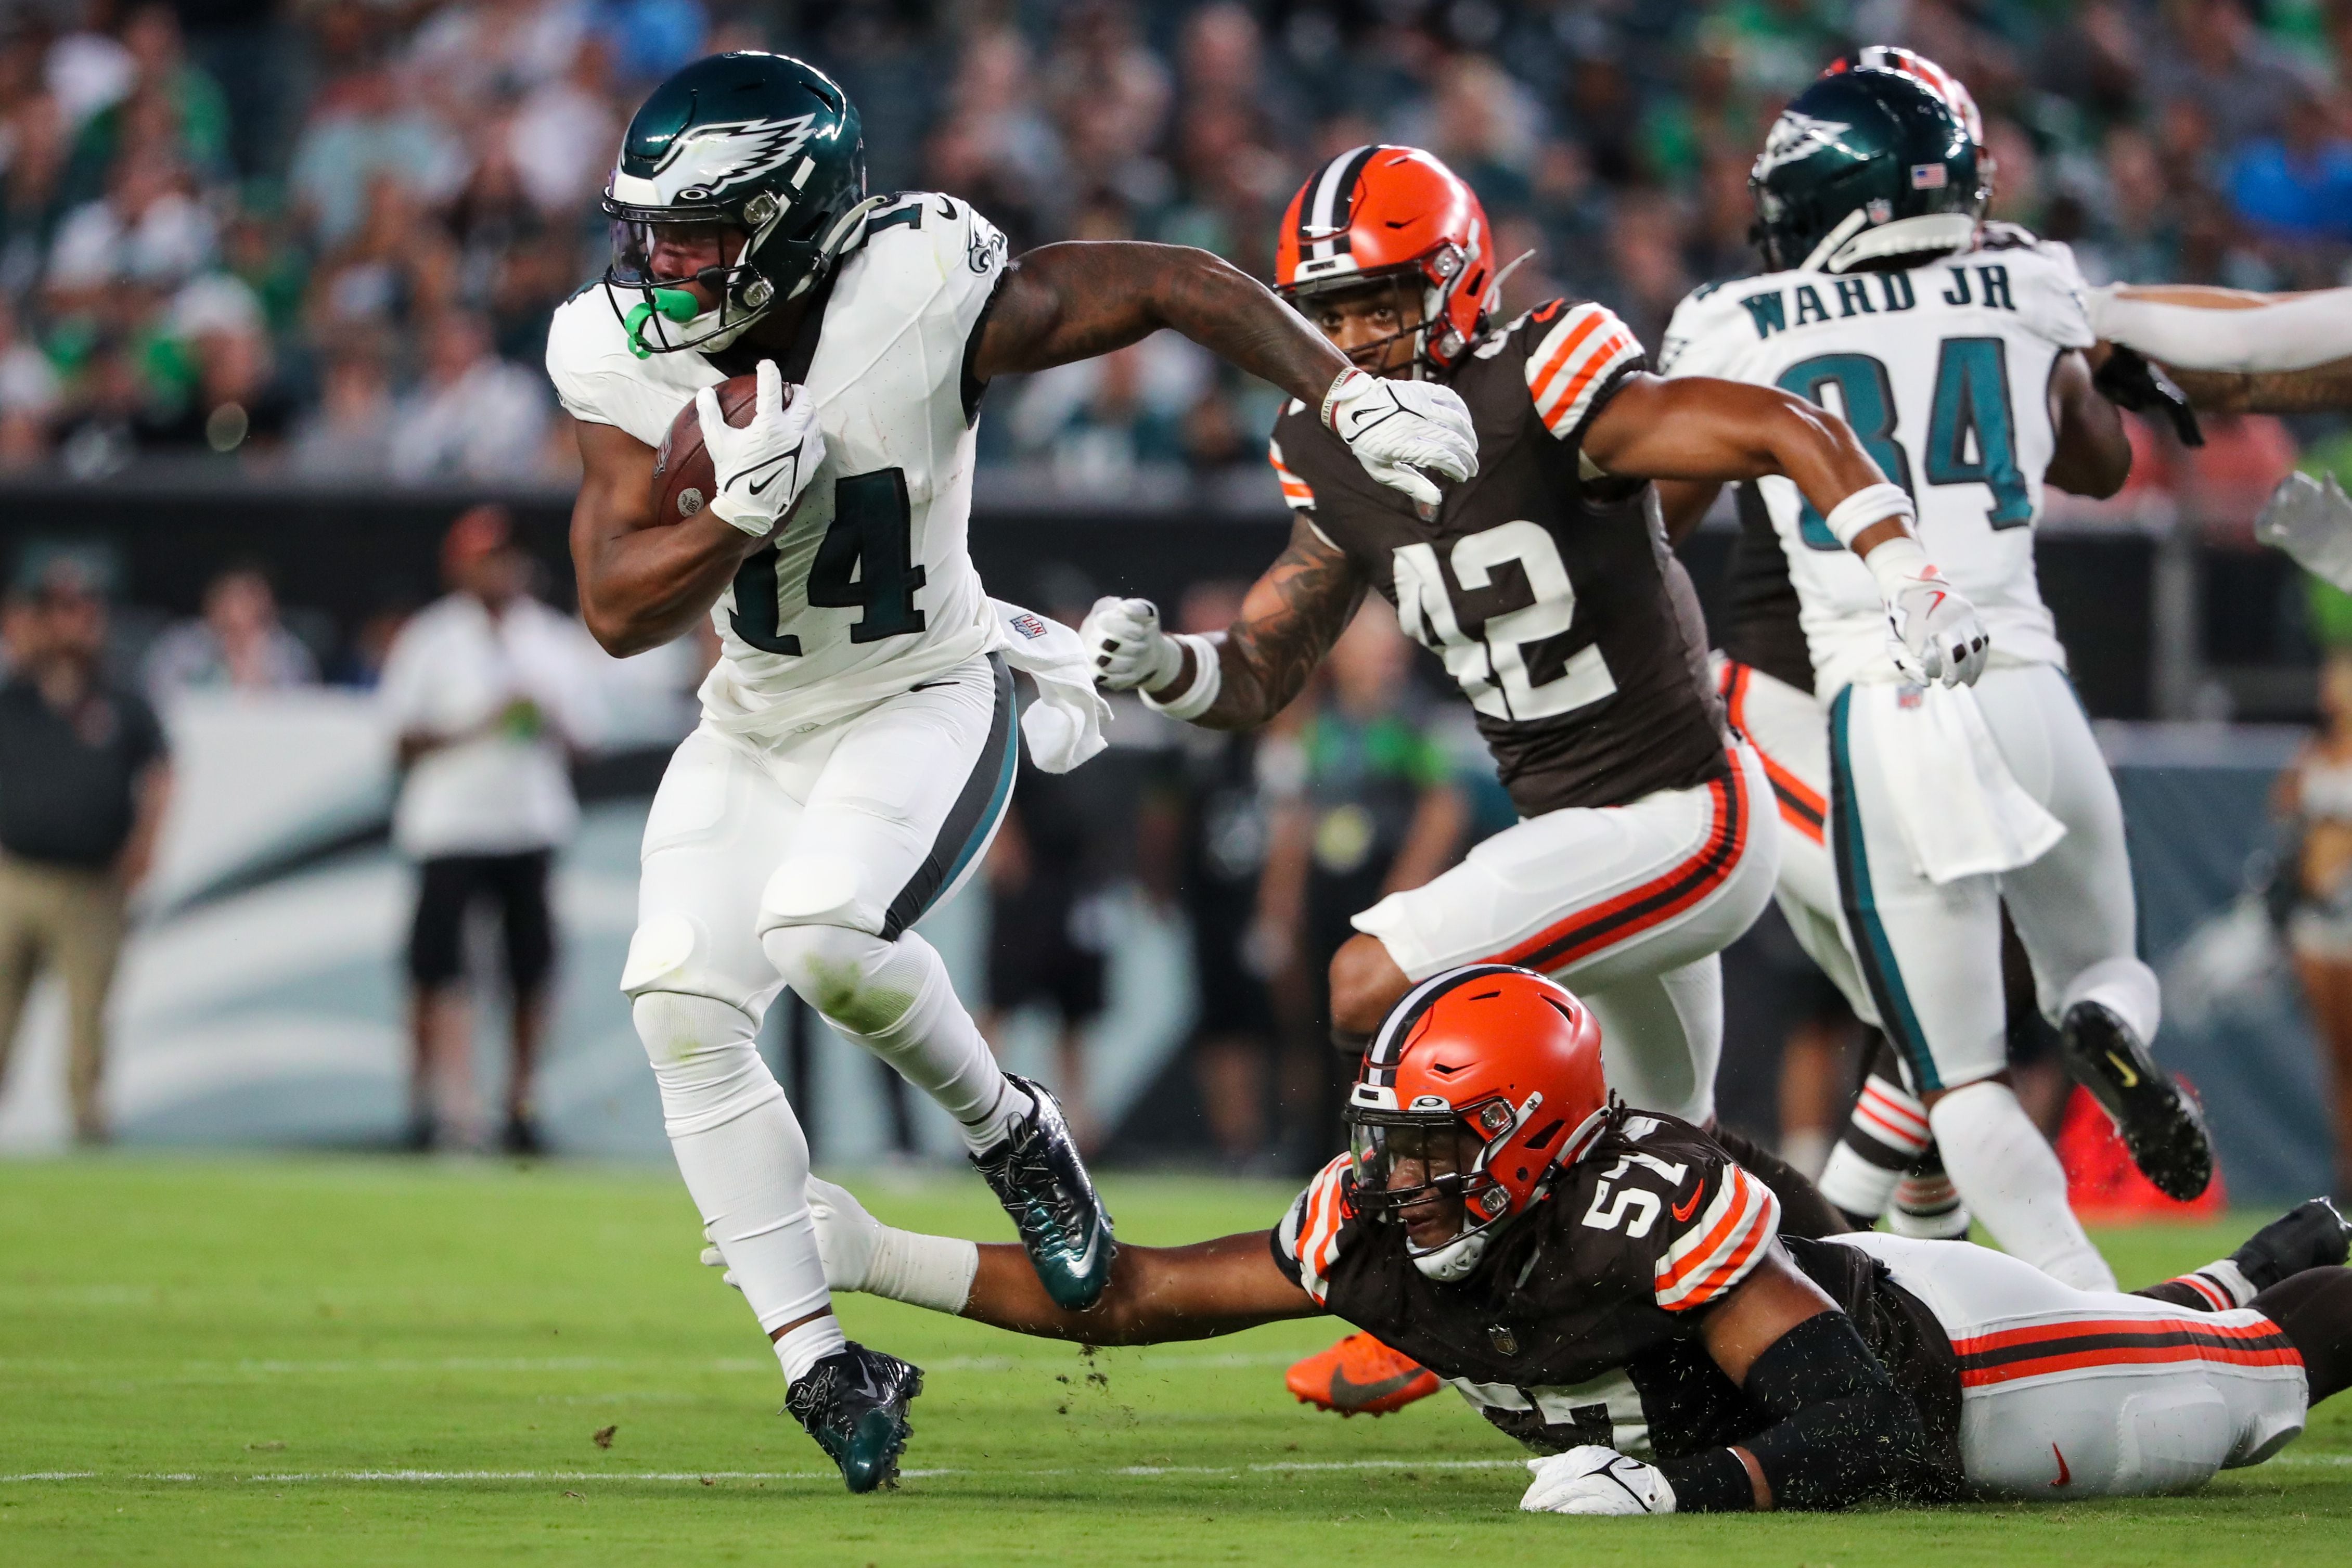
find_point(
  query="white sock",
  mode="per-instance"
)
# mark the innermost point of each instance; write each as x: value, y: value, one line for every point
x: 2124, y: 987
x: 895, y: 999
x: 2010, y: 1177
x: 1856, y: 1186
x: 807, y: 1345
x: 740, y: 1150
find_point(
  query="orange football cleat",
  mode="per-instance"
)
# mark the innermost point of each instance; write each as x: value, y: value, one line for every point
x: 1359, y: 1376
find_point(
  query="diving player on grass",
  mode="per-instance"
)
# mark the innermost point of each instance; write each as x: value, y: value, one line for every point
x: 856, y: 752
x: 1648, y: 842
x: 1614, y: 1290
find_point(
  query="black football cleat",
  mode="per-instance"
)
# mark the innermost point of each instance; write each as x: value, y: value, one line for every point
x: 1036, y: 1174
x: 853, y: 1403
x: 2312, y: 1234
x: 2161, y: 1126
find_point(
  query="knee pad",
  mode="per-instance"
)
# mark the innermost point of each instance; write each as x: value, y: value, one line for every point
x: 856, y: 979
x: 672, y: 952
x: 822, y: 891
x: 705, y: 1061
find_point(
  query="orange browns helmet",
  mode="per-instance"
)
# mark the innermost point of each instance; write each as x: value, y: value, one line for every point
x: 1491, y: 1057
x: 1395, y: 213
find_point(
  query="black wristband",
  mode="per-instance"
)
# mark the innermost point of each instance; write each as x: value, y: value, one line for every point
x: 1710, y: 1482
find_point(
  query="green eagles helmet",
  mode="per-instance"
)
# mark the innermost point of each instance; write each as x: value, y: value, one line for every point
x: 1863, y: 167
x: 763, y: 144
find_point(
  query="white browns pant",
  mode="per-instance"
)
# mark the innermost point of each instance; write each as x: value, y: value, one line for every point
x: 864, y: 824
x: 2070, y: 1393
x: 1928, y: 960
x: 1786, y: 727
x: 1629, y: 905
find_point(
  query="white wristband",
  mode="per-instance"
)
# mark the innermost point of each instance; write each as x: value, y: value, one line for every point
x: 1340, y: 384
x: 1869, y: 505
x: 933, y: 1271
x: 1896, y: 562
x: 1207, y: 680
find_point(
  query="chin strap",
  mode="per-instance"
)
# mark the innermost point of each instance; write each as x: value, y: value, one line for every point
x: 671, y: 304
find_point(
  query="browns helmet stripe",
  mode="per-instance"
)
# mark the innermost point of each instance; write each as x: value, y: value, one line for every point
x: 1387, y: 1049
x: 1324, y: 218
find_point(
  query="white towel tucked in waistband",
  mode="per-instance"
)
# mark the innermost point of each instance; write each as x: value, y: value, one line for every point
x: 1962, y: 812
x: 1064, y: 726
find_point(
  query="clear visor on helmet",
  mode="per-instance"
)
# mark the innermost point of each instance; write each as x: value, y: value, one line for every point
x: 655, y: 262
x: 1407, y: 1159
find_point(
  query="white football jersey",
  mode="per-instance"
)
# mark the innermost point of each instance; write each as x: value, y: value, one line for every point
x: 870, y: 588
x: 1943, y: 373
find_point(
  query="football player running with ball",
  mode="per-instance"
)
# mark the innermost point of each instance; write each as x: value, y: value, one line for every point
x: 856, y: 752
x: 1648, y: 840
x: 1616, y: 1291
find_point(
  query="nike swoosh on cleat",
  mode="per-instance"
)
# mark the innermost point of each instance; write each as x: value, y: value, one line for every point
x: 2130, y: 1078
x: 1347, y: 1393
x: 2065, y: 1475
x: 1085, y: 1262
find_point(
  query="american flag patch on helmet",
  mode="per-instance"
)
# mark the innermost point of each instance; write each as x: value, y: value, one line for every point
x: 1929, y: 176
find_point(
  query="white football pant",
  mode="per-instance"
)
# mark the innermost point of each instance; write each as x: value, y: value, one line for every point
x: 804, y: 859
x: 1626, y: 905
x: 2072, y: 1393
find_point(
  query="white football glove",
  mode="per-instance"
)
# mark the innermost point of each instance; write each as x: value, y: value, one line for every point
x: 847, y: 1235
x: 762, y: 467
x: 1936, y: 636
x: 714, y: 1259
x: 1399, y: 428
x: 1126, y: 647
x: 2311, y: 520
x: 1596, y: 1480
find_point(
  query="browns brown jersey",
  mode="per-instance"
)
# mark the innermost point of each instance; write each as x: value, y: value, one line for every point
x: 1581, y: 1324
x: 1547, y: 587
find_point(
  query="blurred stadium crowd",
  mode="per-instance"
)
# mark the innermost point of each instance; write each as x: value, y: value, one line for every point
x: 325, y: 236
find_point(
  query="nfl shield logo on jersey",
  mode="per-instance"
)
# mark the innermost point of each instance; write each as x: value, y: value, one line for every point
x: 1027, y: 625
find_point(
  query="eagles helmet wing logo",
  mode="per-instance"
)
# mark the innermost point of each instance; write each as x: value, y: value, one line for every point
x: 717, y: 156
x: 1796, y: 137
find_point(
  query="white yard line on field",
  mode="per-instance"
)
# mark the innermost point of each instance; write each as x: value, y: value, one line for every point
x: 431, y: 1476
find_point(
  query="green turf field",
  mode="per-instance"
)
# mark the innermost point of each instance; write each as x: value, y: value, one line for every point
x: 359, y: 1362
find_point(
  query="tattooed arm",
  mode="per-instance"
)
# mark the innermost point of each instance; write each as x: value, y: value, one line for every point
x: 2323, y: 388
x: 1289, y: 621
x: 1077, y: 300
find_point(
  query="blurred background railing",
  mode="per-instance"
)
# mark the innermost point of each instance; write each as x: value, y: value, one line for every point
x: 260, y: 1000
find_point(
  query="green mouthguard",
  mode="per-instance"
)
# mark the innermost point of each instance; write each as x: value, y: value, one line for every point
x: 672, y: 304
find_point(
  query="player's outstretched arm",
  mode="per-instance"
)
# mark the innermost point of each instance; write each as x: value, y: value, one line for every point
x: 1698, y: 428
x: 1241, y: 677
x: 1077, y: 299
x: 1156, y: 1294
x: 1081, y: 299
x: 640, y: 585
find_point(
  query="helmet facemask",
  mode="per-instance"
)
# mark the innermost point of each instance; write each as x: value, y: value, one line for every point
x: 667, y: 318
x: 1437, y: 345
x: 1425, y: 1165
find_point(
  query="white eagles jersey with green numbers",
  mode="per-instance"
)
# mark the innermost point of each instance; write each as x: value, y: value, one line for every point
x: 1943, y: 373
x: 868, y: 588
